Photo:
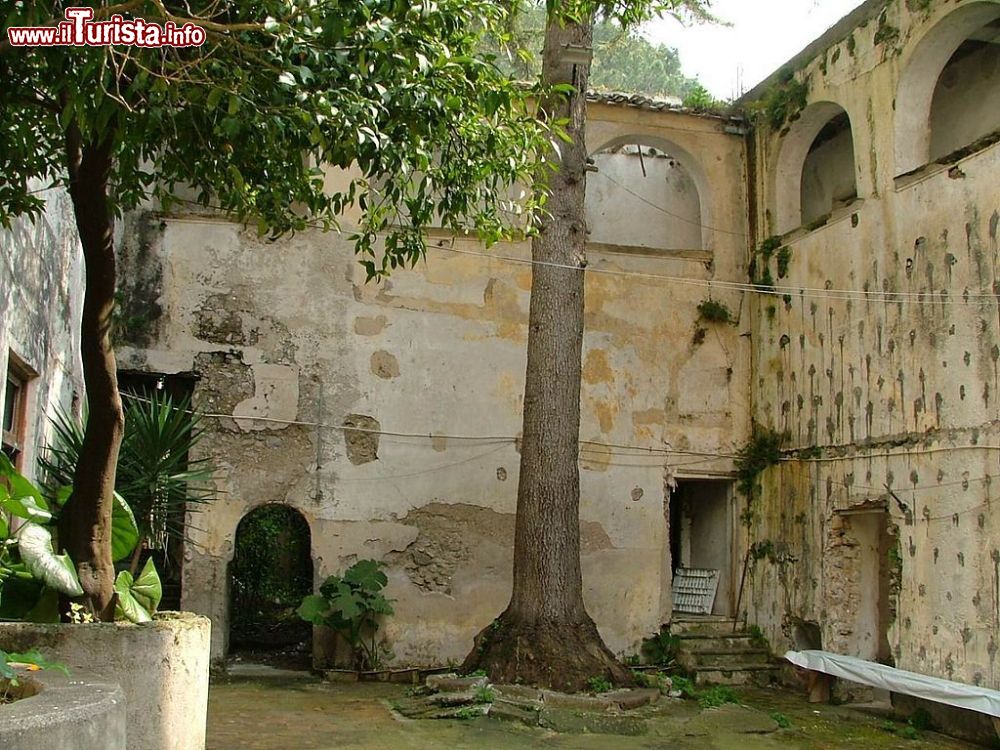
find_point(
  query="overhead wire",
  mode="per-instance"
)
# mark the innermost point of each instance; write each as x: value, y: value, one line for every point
x: 918, y: 298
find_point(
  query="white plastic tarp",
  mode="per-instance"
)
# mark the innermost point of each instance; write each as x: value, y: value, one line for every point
x: 956, y: 694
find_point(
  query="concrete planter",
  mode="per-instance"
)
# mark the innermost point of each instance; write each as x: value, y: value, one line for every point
x: 55, y: 712
x: 162, y: 668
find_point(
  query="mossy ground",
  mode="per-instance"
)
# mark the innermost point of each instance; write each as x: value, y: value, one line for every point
x: 310, y: 715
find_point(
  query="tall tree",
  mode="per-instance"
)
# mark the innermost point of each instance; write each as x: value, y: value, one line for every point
x: 545, y: 636
x: 278, y: 88
x: 624, y: 59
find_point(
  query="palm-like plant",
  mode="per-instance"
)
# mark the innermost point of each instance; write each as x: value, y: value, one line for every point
x: 157, y: 474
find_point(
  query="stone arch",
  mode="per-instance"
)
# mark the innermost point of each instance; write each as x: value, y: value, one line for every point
x: 816, y: 170
x: 691, y: 214
x: 271, y: 568
x: 922, y: 71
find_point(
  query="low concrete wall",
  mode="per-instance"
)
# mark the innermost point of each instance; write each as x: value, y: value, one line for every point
x: 162, y: 668
x: 81, y: 712
x: 956, y: 722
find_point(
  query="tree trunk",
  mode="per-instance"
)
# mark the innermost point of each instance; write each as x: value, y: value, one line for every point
x: 545, y: 636
x: 85, y: 522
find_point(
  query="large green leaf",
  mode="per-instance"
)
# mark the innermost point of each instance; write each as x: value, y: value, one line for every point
x: 128, y: 607
x: 124, y: 530
x: 139, y: 597
x: 367, y: 574
x: 147, y: 588
x: 23, y: 507
x: 314, y: 609
x: 34, y: 543
x: 18, y: 496
x: 346, y: 601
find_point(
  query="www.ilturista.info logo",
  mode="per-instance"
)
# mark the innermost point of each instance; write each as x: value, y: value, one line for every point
x: 80, y: 30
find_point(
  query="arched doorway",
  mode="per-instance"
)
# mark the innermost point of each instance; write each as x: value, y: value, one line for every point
x: 271, y: 570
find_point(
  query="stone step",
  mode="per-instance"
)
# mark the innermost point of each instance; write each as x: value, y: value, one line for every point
x: 694, y: 642
x: 736, y: 674
x: 726, y: 657
x: 707, y: 625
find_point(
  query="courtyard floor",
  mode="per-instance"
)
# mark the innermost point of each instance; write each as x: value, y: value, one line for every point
x: 284, y: 711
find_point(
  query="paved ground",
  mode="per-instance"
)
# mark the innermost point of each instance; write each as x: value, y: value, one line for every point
x: 261, y: 711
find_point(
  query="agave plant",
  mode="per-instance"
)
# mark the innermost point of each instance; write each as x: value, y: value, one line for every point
x: 156, y: 473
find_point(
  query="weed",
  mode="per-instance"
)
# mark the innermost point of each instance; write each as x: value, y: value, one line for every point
x: 685, y: 686
x: 485, y: 694
x: 599, y: 684
x: 781, y: 720
x: 717, y: 696
x: 757, y: 638
x: 784, y: 259
x: 661, y: 648
x: 714, y: 312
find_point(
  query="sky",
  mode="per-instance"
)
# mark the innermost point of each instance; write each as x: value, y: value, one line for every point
x: 764, y: 34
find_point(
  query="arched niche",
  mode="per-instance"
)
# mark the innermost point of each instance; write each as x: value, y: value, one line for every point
x: 946, y: 98
x: 270, y: 572
x: 815, y: 172
x: 648, y: 193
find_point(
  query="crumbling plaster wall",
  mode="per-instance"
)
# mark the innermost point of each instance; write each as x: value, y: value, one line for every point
x: 290, y: 331
x: 899, y: 393
x: 41, y: 296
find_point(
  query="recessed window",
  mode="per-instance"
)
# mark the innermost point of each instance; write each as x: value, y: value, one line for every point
x: 641, y: 196
x: 828, y: 174
x: 948, y: 97
x: 815, y: 174
x: 966, y: 104
x: 15, y: 409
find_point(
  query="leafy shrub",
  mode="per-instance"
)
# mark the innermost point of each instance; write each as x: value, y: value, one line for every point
x: 717, y: 696
x: 781, y: 720
x: 714, y: 312
x: 661, y: 649
x: 156, y: 473
x: 685, y: 686
x: 599, y: 684
x: 352, y: 605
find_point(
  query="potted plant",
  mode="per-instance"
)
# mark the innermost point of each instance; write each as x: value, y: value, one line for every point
x: 160, y: 660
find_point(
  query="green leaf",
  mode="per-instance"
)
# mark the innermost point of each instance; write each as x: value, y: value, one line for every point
x: 346, y: 602
x: 25, y: 507
x: 34, y: 543
x: 147, y: 588
x: 367, y: 574
x: 124, y: 530
x: 314, y: 609
x: 128, y: 606
x: 35, y: 658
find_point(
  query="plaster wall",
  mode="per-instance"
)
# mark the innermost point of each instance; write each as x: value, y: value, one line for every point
x: 898, y: 394
x: 40, y: 303
x: 290, y: 331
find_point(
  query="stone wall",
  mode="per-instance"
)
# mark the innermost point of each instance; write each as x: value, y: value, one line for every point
x: 41, y: 298
x: 289, y: 337
x: 891, y: 390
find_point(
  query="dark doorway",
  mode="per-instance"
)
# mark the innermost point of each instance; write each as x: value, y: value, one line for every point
x: 870, y: 529
x: 701, y: 533
x: 271, y: 571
